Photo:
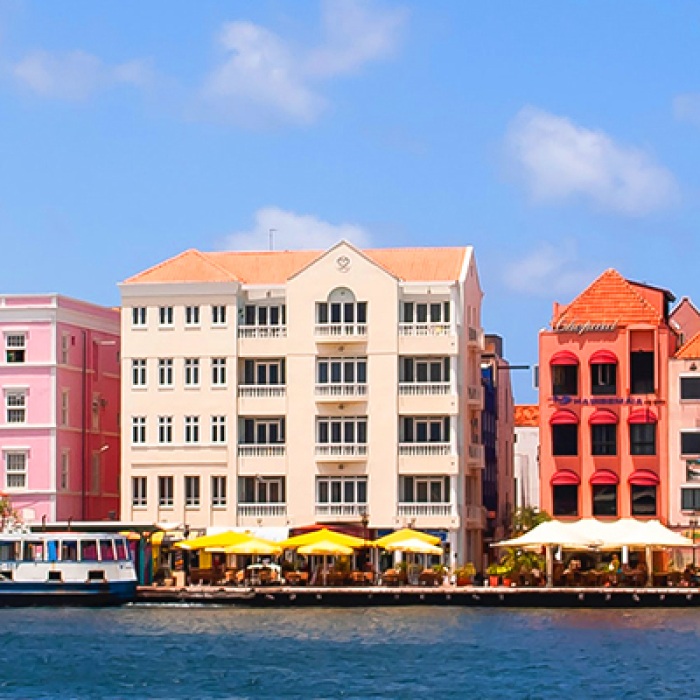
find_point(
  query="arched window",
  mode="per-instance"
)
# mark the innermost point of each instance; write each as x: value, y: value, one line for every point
x: 564, y: 433
x: 341, y: 307
x: 603, y: 373
x: 564, y: 366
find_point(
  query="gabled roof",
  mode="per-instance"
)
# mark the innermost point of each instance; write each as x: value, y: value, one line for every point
x: 690, y: 350
x: 610, y: 299
x: 527, y: 416
x: 276, y: 267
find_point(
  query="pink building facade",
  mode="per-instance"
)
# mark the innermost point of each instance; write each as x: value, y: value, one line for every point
x: 59, y: 426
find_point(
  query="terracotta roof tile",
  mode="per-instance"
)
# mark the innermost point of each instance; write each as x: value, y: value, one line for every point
x: 527, y: 416
x: 609, y: 299
x: 690, y: 350
x: 276, y: 267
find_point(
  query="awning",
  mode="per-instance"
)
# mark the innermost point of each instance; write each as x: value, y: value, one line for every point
x: 603, y: 357
x: 565, y: 477
x: 642, y: 415
x: 562, y: 417
x: 564, y: 357
x: 603, y: 416
x: 604, y: 477
x: 644, y: 477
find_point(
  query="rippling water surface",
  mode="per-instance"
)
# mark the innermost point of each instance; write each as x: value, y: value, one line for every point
x: 427, y: 653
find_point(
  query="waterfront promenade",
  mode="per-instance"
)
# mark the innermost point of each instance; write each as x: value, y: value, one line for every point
x: 467, y: 596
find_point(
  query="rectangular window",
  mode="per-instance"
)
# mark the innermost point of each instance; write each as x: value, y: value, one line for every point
x: 605, y: 500
x: 564, y: 440
x: 692, y: 470
x: 15, y: 348
x: 425, y: 429
x: 604, y: 380
x: 138, y: 430
x: 218, y: 315
x: 65, y: 407
x: 165, y: 316
x: 264, y: 372
x: 690, y: 388
x: 16, y: 470
x: 65, y: 348
x: 341, y: 490
x: 341, y: 370
x: 643, y: 500
x: 192, y: 492
x: 690, y: 499
x: 264, y: 315
x: 165, y: 372
x: 643, y: 438
x: 424, y: 489
x: 218, y: 491
x: 261, y: 489
x: 192, y: 315
x: 341, y: 431
x: 218, y: 371
x: 258, y: 431
x: 690, y: 442
x: 139, y: 492
x: 191, y: 429
x: 218, y: 429
x: 191, y: 372
x: 16, y: 406
x: 565, y: 500
x: 565, y: 380
x: 165, y: 491
x: 165, y: 429
x: 604, y: 439
x: 138, y: 316
x: 65, y: 470
x: 642, y: 373
x: 138, y: 372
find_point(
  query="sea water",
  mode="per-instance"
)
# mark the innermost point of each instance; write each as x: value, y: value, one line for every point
x: 427, y: 653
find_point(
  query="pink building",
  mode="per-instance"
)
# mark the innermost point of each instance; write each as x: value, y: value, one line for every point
x: 59, y: 426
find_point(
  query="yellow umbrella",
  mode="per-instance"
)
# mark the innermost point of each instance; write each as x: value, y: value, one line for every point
x: 223, y: 539
x: 253, y: 545
x: 324, y: 535
x: 325, y: 548
x: 414, y: 546
x: 406, y: 534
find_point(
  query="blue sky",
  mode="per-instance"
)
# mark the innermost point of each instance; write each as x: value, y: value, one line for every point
x: 557, y: 138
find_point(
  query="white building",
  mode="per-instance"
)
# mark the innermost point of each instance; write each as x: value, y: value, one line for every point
x: 527, y: 456
x: 292, y: 388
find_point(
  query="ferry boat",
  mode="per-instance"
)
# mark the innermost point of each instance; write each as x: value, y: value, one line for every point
x: 65, y: 568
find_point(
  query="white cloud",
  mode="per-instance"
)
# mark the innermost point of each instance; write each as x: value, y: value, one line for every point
x: 294, y: 232
x: 264, y: 77
x: 559, y: 160
x: 548, y: 270
x: 74, y: 75
x: 686, y: 108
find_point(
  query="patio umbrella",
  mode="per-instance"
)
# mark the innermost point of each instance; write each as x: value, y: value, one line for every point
x: 324, y: 535
x: 324, y: 548
x: 405, y: 534
x: 222, y: 539
x: 253, y: 545
x: 414, y: 546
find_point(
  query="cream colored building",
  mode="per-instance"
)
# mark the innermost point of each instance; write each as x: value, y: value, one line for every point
x: 283, y: 389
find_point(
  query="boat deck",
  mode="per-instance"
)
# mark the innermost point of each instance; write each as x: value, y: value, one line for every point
x: 469, y: 596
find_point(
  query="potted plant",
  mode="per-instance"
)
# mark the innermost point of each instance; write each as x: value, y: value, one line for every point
x: 494, y: 573
x: 464, y: 575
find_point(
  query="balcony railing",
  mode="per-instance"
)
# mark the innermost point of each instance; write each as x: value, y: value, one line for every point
x: 425, y: 449
x: 418, y: 510
x: 347, y: 450
x: 262, y: 391
x: 341, y: 330
x: 355, y: 510
x: 262, y: 331
x: 341, y: 390
x: 425, y: 389
x: 262, y: 510
x: 428, y: 328
x: 262, y: 450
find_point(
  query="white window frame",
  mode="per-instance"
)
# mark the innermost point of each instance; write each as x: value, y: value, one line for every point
x: 695, y: 377
x: 192, y: 371
x: 218, y: 371
x: 426, y: 481
x: 20, y: 469
x: 65, y: 407
x: 65, y: 470
x: 191, y: 429
x: 343, y: 421
x: 219, y: 487
x: 11, y: 346
x: 138, y: 430
x: 165, y: 430
x: 218, y: 429
x: 138, y: 317
x: 16, y: 406
x: 138, y: 372
x: 342, y: 363
x: 65, y: 348
x: 445, y: 432
x: 266, y: 365
x: 166, y: 491
x: 165, y: 372
x: 263, y: 315
x: 342, y: 480
x: 192, y: 316
x: 218, y: 315
x: 193, y: 491
x: 139, y: 492
x: 166, y: 317
x: 262, y: 487
x: 269, y: 423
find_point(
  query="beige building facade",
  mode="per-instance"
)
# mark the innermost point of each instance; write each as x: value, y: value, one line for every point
x: 285, y: 389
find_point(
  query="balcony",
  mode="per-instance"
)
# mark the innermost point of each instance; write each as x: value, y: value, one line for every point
x: 425, y: 329
x: 267, y: 391
x: 332, y: 332
x: 262, y: 510
x: 475, y: 456
x: 262, y: 341
x: 475, y: 394
x: 475, y: 337
x: 336, y: 392
x: 352, y: 511
x: 345, y: 452
x: 425, y: 389
x: 430, y: 338
x: 262, y: 450
x: 425, y: 449
x: 474, y: 516
x: 422, y: 510
x: 262, y: 332
x: 427, y: 398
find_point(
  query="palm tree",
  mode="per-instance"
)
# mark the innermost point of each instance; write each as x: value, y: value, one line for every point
x: 526, y: 518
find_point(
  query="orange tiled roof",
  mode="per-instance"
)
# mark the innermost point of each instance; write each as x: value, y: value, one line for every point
x: 276, y: 267
x: 527, y: 416
x: 690, y: 350
x: 609, y: 299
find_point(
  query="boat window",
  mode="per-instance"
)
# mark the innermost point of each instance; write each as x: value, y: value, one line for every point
x: 52, y: 550
x: 107, y: 550
x: 69, y: 550
x: 33, y: 551
x: 9, y: 551
x: 122, y: 552
x: 88, y: 550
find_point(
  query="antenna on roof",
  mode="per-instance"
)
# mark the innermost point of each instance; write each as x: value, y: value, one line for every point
x: 272, y: 233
